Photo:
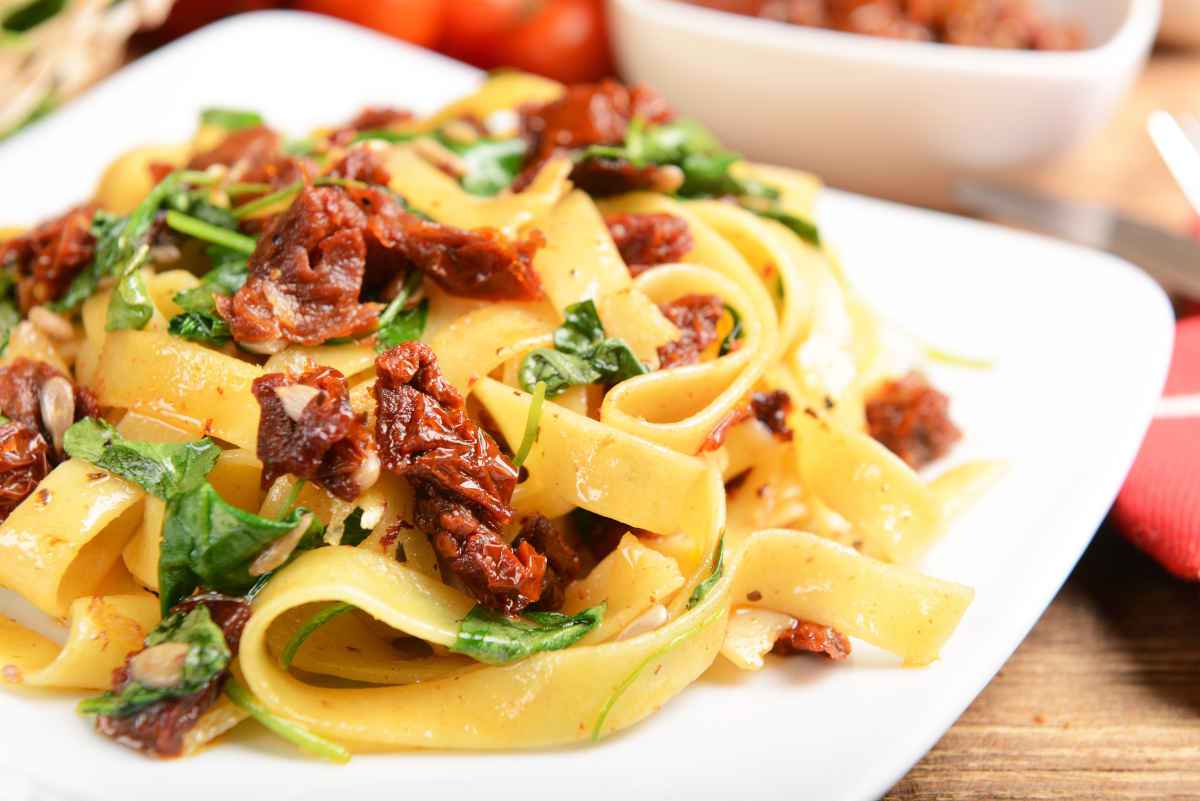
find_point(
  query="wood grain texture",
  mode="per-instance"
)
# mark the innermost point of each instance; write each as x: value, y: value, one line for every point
x: 1102, y: 700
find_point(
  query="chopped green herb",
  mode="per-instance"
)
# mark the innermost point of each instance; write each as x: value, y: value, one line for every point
x: 532, y: 424
x: 805, y: 229
x: 386, y: 135
x: 207, y: 657
x: 492, y: 164
x: 490, y: 637
x: 735, y: 333
x: 209, y: 542
x: 207, y: 232
x: 268, y: 201
x: 230, y: 119
x: 289, y: 730
x: 199, y: 321
x: 704, y: 587
x: 162, y: 469
x: 398, y: 324
x: 353, y: 531
x: 307, y: 628
x: 582, y: 354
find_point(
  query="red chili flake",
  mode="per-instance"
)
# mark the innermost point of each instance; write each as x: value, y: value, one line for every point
x: 647, y: 240
x: 308, y: 429
x: 806, y: 637
x: 463, y: 483
x: 47, y: 258
x: 696, y: 317
x: 159, y: 729
x: 305, y: 275
x: 912, y: 419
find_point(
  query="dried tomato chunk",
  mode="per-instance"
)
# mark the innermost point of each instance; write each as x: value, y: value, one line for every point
x: 567, y: 557
x: 24, y: 462
x: 48, y: 258
x: 255, y: 155
x: 647, y: 240
x: 370, y: 118
x: 806, y: 637
x: 771, y: 409
x: 26, y: 391
x: 463, y: 482
x: 305, y: 276
x: 308, y: 429
x: 696, y: 317
x: 159, y: 729
x: 361, y: 164
x: 912, y: 419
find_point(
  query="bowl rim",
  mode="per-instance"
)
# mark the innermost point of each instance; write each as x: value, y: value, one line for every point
x: 1134, y: 37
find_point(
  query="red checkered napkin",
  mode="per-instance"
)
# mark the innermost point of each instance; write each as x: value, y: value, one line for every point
x: 1159, y: 507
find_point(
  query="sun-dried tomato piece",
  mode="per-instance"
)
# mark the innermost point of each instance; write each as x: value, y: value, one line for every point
x: 912, y: 419
x: 24, y: 461
x: 370, y: 118
x: 480, y: 264
x: 361, y: 164
x: 805, y: 637
x: 48, y: 257
x: 734, y: 417
x: 463, y: 482
x: 647, y: 240
x: 24, y: 382
x: 308, y: 429
x: 565, y: 552
x: 305, y: 276
x: 771, y: 409
x: 159, y: 729
x: 696, y: 317
x: 255, y: 155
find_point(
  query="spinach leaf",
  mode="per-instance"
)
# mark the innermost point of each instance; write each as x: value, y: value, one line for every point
x: 492, y: 164
x: 704, y: 587
x: 162, y: 469
x: 231, y: 119
x: 805, y: 229
x: 735, y: 333
x: 490, y: 637
x: 199, y: 321
x: 207, y: 657
x: 209, y: 542
x: 398, y: 324
x: 204, y: 327
x: 105, y: 229
x: 354, y: 532
x: 582, y: 354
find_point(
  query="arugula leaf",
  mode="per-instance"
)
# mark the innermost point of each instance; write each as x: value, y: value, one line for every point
x: 582, y: 354
x: 207, y: 657
x: 231, y: 119
x: 162, y: 469
x: 735, y: 333
x: 386, y: 135
x: 208, y: 232
x: 209, y: 542
x: 199, y: 321
x: 354, y: 532
x: 805, y: 229
x: 704, y: 587
x: 207, y: 328
x: 493, y: 164
x: 307, y: 628
x: 398, y: 324
x: 490, y: 637
x: 105, y: 229
x: 533, y: 422
x: 289, y: 730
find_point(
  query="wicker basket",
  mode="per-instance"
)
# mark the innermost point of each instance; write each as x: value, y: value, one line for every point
x: 52, y: 49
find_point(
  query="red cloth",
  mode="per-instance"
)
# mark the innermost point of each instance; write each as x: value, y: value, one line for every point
x: 1159, y: 507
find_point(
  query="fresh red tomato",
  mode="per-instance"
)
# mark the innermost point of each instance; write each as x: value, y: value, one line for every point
x: 416, y: 21
x: 562, y: 39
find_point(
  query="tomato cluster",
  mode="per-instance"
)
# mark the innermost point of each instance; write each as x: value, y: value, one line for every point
x: 561, y: 39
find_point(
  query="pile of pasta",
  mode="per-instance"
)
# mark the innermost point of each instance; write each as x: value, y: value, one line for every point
x: 823, y: 528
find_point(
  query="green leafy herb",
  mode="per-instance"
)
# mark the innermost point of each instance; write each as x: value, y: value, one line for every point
x: 209, y: 542
x: 399, y: 324
x: 10, y: 313
x: 268, y: 201
x: 582, y: 354
x: 199, y: 321
x: 628, y: 681
x: 231, y: 119
x: 353, y: 531
x: 299, y: 147
x: 307, y: 628
x: 207, y: 657
x: 289, y: 730
x: 385, y: 135
x: 162, y: 469
x: 106, y: 229
x: 704, y: 587
x: 492, y: 164
x: 735, y: 333
x: 207, y: 328
x: 207, y: 232
x: 490, y: 637
x: 805, y: 229
x: 27, y: 16
x: 532, y: 424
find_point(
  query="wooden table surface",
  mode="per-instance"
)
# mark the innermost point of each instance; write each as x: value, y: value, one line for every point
x: 1102, y: 700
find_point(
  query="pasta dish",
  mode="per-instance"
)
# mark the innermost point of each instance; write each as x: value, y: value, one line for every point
x: 486, y: 429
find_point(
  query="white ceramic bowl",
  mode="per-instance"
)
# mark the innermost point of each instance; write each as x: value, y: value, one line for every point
x: 1181, y: 23
x: 890, y: 118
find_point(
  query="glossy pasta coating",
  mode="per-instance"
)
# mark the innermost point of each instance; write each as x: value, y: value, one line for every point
x: 463, y: 482
x: 807, y: 637
x: 323, y: 440
x: 649, y: 239
x: 47, y: 258
x: 159, y: 729
x: 912, y: 419
x: 696, y: 317
x: 305, y: 275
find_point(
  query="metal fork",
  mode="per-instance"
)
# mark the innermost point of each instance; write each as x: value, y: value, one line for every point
x: 1178, y: 142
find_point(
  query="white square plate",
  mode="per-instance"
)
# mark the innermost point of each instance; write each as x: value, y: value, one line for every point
x: 1081, y: 340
